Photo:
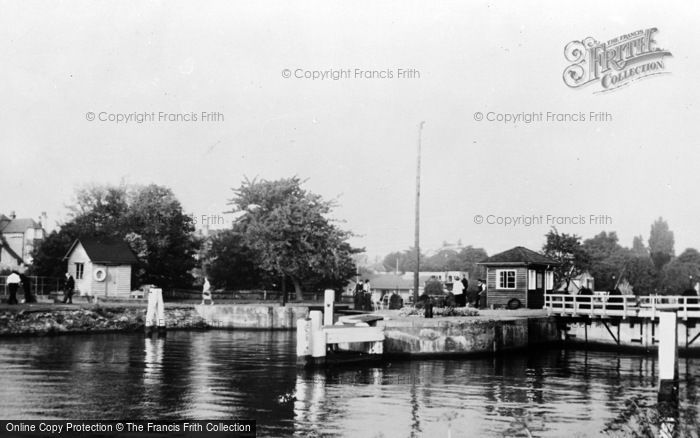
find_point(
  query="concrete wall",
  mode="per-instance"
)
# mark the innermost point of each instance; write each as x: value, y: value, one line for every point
x: 254, y: 316
x: 418, y: 336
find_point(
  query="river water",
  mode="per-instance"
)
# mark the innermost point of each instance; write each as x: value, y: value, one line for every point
x: 253, y: 375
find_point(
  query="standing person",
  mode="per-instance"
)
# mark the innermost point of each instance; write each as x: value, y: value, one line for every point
x: 27, y: 287
x: 357, y: 296
x: 367, y: 295
x: 465, y: 285
x: 480, y: 294
x: 68, y: 289
x: 458, y: 292
x: 12, y: 285
x: 206, y: 292
x: 377, y: 299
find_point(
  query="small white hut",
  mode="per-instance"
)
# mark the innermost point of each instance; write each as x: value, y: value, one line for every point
x: 100, y: 268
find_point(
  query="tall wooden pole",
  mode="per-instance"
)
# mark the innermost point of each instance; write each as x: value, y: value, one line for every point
x: 417, y: 242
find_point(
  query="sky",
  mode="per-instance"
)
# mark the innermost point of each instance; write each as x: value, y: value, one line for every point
x: 72, y: 67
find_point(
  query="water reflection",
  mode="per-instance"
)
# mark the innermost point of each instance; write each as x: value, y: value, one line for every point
x: 545, y: 394
x: 220, y: 374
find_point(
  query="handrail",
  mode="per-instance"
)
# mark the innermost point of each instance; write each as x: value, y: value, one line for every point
x: 621, y: 305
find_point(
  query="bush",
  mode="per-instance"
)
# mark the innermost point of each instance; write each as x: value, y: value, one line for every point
x: 433, y: 287
x: 395, y: 302
x: 439, y: 311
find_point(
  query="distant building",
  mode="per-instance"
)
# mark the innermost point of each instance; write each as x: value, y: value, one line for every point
x: 18, y: 238
x: 518, y: 277
x: 584, y: 280
x: 101, y: 268
x: 388, y: 283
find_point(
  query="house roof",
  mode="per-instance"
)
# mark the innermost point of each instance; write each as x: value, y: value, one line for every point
x: 393, y: 281
x: 6, y: 246
x: 518, y: 256
x: 104, y: 251
x: 17, y: 225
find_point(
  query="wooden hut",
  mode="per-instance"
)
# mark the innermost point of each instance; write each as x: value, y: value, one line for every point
x: 517, y: 278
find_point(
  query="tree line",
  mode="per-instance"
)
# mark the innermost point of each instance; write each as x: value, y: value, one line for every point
x: 649, y: 267
x: 445, y: 259
x: 282, y: 234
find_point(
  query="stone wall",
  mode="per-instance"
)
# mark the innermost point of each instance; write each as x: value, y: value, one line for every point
x: 419, y: 336
x: 253, y: 316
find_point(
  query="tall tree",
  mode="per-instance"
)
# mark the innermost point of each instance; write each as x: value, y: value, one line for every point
x: 641, y: 274
x: 148, y: 218
x: 229, y: 263
x: 468, y: 258
x: 606, y: 259
x: 661, y: 243
x: 156, y: 216
x: 290, y: 235
x: 567, y: 250
x: 682, y: 272
x: 638, y: 247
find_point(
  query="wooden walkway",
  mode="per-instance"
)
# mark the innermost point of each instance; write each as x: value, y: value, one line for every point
x: 624, y: 306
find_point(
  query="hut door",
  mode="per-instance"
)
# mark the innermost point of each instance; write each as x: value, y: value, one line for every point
x: 535, y: 297
x: 111, y: 281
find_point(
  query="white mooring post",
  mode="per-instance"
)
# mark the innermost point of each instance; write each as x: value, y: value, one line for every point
x: 303, y: 340
x: 328, y: 300
x: 668, y: 372
x: 668, y: 346
x: 155, y: 315
x: 318, y: 337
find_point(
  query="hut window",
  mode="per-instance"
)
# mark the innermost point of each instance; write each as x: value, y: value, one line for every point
x: 79, y: 268
x: 531, y: 274
x: 506, y: 279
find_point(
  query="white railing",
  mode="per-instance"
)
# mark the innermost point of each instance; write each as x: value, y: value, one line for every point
x: 624, y: 306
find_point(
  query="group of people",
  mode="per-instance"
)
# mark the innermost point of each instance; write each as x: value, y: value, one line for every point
x: 363, y: 298
x: 14, y: 281
x: 367, y: 299
x: 460, y: 288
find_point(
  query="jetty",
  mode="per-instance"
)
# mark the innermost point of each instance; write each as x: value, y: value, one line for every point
x: 623, y: 320
x: 321, y: 339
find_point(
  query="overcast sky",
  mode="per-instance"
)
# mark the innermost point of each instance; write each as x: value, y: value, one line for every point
x: 355, y: 139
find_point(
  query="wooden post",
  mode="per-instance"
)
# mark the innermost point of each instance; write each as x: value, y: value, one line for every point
x: 668, y: 356
x: 329, y: 298
x: 155, y: 314
x: 303, y: 341
x: 318, y: 338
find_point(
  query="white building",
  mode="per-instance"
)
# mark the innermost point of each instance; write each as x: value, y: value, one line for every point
x: 18, y: 238
x: 101, y: 268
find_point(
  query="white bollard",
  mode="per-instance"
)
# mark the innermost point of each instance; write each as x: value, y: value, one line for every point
x: 316, y: 317
x: 318, y: 337
x: 303, y: 340
x: 668, y: 346
x: 668, y: 362
x: 328, y: 300
x: 155, y: 315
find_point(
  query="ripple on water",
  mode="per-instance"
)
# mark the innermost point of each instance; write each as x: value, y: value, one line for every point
x: 235, y: 374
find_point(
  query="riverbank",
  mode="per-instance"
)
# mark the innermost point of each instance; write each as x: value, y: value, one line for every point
x: 51, y: 319
x: 491, y: 331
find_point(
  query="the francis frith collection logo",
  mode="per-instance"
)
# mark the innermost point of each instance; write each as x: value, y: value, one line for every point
x: 614, y: 63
